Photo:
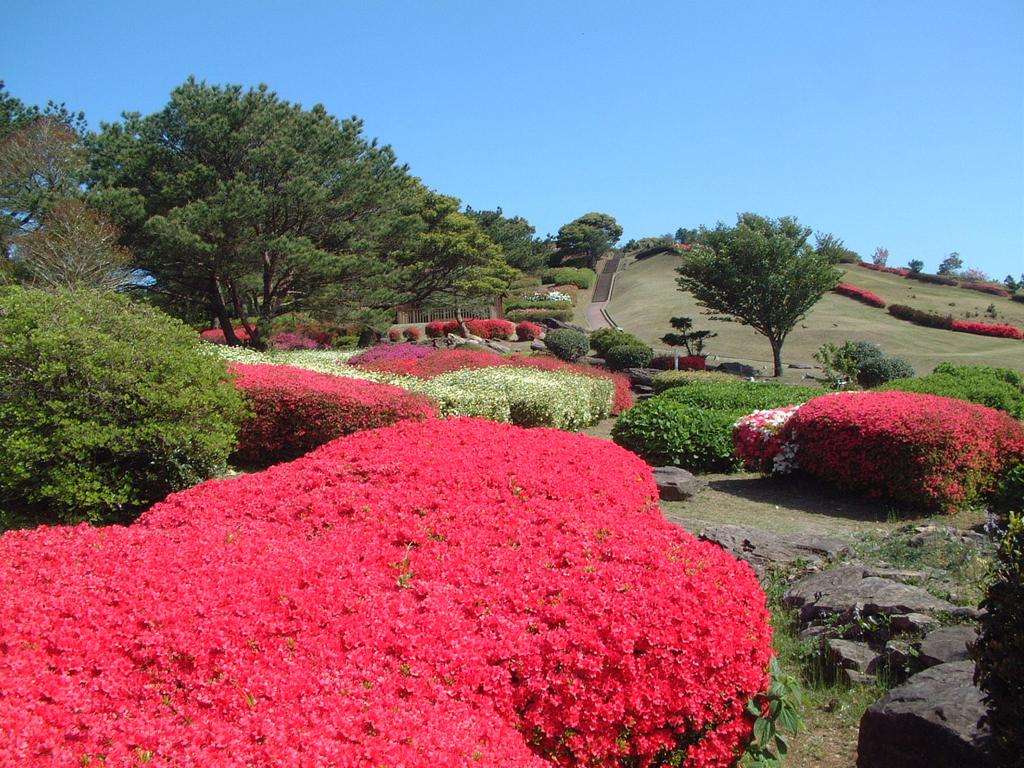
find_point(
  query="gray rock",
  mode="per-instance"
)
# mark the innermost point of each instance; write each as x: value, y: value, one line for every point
x: 913, y: 623
x: 947, y: 644
x: 499, y: 348
x: 765, y: 549
x: 897, y: 574
x: 737, y: 368
x: 675, y: 484
x: 846, y: 592
x: 641, y: 376
x: 800, y: 366
x: 933, y: 721
x: 538, y: 346
x: 846, y: 657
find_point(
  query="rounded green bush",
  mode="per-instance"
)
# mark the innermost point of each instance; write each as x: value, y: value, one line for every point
x: 670, y: 379
x: 745, y: 396
x: 999, y: 388
x: 879, y: 370
x: 604, y: 339
x: 663, y: 432
x: 567, y: 344
x: 628, y: 356
x: 581, y: 277
x: 106, y: 405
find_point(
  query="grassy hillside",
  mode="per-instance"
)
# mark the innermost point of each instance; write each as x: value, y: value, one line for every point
x: 646, y: 296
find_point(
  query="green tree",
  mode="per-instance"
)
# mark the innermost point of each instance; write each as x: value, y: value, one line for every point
x: 915, y: 265
x: 763, y: 271
x: 591, y: 236
x: 687, y: 338
x: 515, y: 235
x: 246, y: 205
x: 686, y: 236
x: 1010, y: 283
x: 951, y: 264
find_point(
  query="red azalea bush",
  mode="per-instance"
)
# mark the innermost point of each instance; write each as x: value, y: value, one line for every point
x: 412, y: 333
x: 439, y: 328
x: 985, y: 329
x: 394, y: 334
x: 293, y: 340
x: 891, y: 270
x: 508, y: 616
x: 867, y: 297
x: 686, y: 363
x: 216, y: 335
x: 382, y: 352
x: 932, y: 452
x: 995, y: 290
x: 758, y: 441
x: 491, y: 329
x: 527, y: 331
x: 292, y: 410
x: 623, y: 397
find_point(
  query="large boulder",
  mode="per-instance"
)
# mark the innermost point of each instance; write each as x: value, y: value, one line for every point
x: 765, y: 550
x: 947, y: 644
x: 933, y: 721
x: 675, y: 484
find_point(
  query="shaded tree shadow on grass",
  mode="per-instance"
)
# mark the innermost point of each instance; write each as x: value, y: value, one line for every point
x: 804, y: 495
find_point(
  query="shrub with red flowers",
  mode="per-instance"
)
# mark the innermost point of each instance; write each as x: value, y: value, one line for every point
x: 364, y: 605
x: 293, y: 410
x: 382, y: 352
x: 527, y: 331
x: 891, y: 270
x: 412, y: 333
x: 623, y: 398
x: 987, y: 329
x: 860, y: 294
x: 491, y: 329
x: 759, y: 445
x: 394, y: 334
x: 216, y: 335
x: 288, y: 340
x: 931, y: 452
x: 439, y: 328
x: 994, y: 290
x: 686, y: 363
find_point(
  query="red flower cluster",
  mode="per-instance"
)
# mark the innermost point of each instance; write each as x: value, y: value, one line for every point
x: 394, y: 334
x: 491, y: 329
x: 216, y: 335
x: 686, y: 363
x: 929, y: 451
x: 294, y: 410
x: 891, y: 270
x: 366, y: 606
x: 527, y: 331
x: 860, y: 294
x: 293, y: 340
x: 994, y: 290
x: 412, y: 333
x: 439, y: 328
x: 985, y: 329
x: 623, y: 398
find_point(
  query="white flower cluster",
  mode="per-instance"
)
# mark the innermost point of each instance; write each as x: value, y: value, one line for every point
x: 549, y: 296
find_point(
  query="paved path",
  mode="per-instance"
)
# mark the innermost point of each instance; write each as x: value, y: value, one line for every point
x: 602, y: 294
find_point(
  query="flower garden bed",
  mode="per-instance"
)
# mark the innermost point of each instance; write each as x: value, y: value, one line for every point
x: 504, y: 616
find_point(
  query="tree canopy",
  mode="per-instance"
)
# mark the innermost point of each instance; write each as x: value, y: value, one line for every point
x: 590, y: 236
x: 762, y: 271
x: 516, y: 236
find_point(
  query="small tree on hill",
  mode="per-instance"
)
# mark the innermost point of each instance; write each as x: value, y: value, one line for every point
x: 880, y: 256
x: 915, y: 265
x: 951, y: 264
x: 591, y: 236
x: 692, y: 341
x: 762, y: 271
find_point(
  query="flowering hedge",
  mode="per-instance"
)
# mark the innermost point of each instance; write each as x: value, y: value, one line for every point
x: 527, y: 331
x: 932, y: 452
x: 293, y: 411
x: 867, y: 297
x: 987, y: 329
x: 383, y: 352
x: 412, y: 333
x: 759, y: 444
x: 686, y: 363
x: 439, y: 328
x: 216, y: 335
x: 508, y: 616
x: 289, y: 340
x: 491, y: 329
x: 994, y: 290
x: 891, y: 270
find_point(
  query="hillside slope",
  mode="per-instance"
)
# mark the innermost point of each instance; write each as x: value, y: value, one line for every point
x: 646, y: 296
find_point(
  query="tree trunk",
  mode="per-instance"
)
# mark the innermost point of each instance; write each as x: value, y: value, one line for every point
x: 461, y: 321
x: 221, y: 313
x: 777, y: 355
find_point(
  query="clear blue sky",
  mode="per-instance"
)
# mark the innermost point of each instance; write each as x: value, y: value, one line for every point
x: 898, y: 124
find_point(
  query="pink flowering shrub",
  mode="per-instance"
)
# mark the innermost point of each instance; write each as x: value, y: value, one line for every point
x: 527, y: 331
x: 986, y: 329
x: 293, y: 340
x: 382, y: 352
x: 366, y: 606
x: 293, y: 410
x: 216, y: 335
x: 758, y: 441
x: 860, y: 294
x: 491, y: 329
x: 931, y: 452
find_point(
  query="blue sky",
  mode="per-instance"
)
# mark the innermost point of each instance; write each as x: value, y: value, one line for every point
x: 896, y: 124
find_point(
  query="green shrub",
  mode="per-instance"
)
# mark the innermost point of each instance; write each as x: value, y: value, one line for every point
x: 106, y: 406
x: 580, y: 277
x: 539, y: 315
x: 516, y: 304
x: 999, y: 652
x: 604, y: 339
x: 669, y: 379
x: 743, y: 396
x: 999, y: 388
x: 567, y: 344
x: 879, y: 370
x: 664, y: 432
x: 628, y: 356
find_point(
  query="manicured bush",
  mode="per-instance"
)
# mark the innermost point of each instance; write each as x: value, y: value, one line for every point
x: 394, y: 334
x: 1018, y: 297
x: 438, y: 362
x: 580, y: 277
x: 685, y: 362
x: 542, y: 304
x: 987, y: 329
x: 994, y: 290
x: 920, y: 317
x: 306, y: 616
x: 527, y: 331
x: 604, y: 339
x: 759, y: 444
x: 738, y: 395
x: 491, y: 329
x: 999, y: 652
x: 293, y: 411
x: 216, y: 335
x: 860, y: 294
x: 383, y: 352
x: 106, y: 406
x: 999, y: 388
x: 412, y: 333
x: 924, y: 277
x: 439, y: 328
x: 566, y: 344
x: 623, y: 398
x: 664, y: 432
x: 879, y: 370
x: 891, y: 270
x: 931, y: 452
x: 539, y: 315
x: 669, y: 379
x: 288, y: 340
x: 629, y: 356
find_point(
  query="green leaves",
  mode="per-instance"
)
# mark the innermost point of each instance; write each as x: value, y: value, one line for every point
x: 775, y: 711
